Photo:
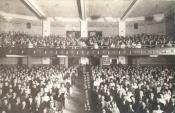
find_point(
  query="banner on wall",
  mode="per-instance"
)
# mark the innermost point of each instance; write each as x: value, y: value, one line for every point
x: 95, y: 33
x: 77, y: 34
x: 73, y: 34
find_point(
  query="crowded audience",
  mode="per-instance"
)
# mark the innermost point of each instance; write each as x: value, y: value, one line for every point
x: 133, y: 89
x: 135, y: 41
x: 39, y: 89
x: 17, y: 39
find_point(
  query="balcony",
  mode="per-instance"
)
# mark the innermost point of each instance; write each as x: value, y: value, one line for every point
x: 77, y: 51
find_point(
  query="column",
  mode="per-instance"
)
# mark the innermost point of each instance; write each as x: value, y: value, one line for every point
x: 66, y: 62
x: 29, y: 61
x: 20, y: 60
x: 84, y: 28
x: 46, y: 27
x: 122, y: 28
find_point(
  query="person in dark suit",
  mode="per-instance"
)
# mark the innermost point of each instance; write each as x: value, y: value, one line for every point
x: 23, y: 108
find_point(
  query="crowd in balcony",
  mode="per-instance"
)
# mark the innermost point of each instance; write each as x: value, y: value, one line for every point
x: 135, y: 41
x: 39, y: 89
x: 133, y: 89
x: 16, y: 39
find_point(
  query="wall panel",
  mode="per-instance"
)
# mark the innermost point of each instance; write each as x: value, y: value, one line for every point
x: 36, y: 29
x: 8, y: 60
x: 149, y: 28
x: 153, y: 60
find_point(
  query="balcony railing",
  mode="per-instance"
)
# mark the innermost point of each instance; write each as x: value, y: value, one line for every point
x: 86, y: 51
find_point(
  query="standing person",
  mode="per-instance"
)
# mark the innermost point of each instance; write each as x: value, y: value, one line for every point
x: 159, y: 110
x: 114, y: 108
x: 13, y: 101
x: 63, y: 95
x: 130, y: 110
x: 44, y: 110
x: 5, y: 106
x: 23, y: 108
x: 16, y: 106
x: 52, y: 108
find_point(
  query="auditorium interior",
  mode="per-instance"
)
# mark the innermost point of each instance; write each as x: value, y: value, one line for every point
x: 87, y: 56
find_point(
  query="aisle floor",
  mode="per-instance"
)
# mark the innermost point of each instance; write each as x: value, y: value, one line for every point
x: 76, y: 102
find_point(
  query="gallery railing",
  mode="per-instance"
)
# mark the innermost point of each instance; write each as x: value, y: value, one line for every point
x: 86, y: 51
x: 89, y: 47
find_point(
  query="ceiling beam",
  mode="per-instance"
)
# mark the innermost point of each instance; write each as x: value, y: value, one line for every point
x: 128, y: 10
x: 34, y: 8
x: 17, y: 16
x: 81, y: 9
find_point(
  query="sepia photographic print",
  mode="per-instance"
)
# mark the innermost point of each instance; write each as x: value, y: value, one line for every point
x: 87, y: 56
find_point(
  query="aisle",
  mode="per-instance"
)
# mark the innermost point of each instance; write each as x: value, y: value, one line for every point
x: 76, y: 103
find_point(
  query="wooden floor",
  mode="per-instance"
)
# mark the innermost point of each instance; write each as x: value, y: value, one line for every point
x: 77, y: 100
